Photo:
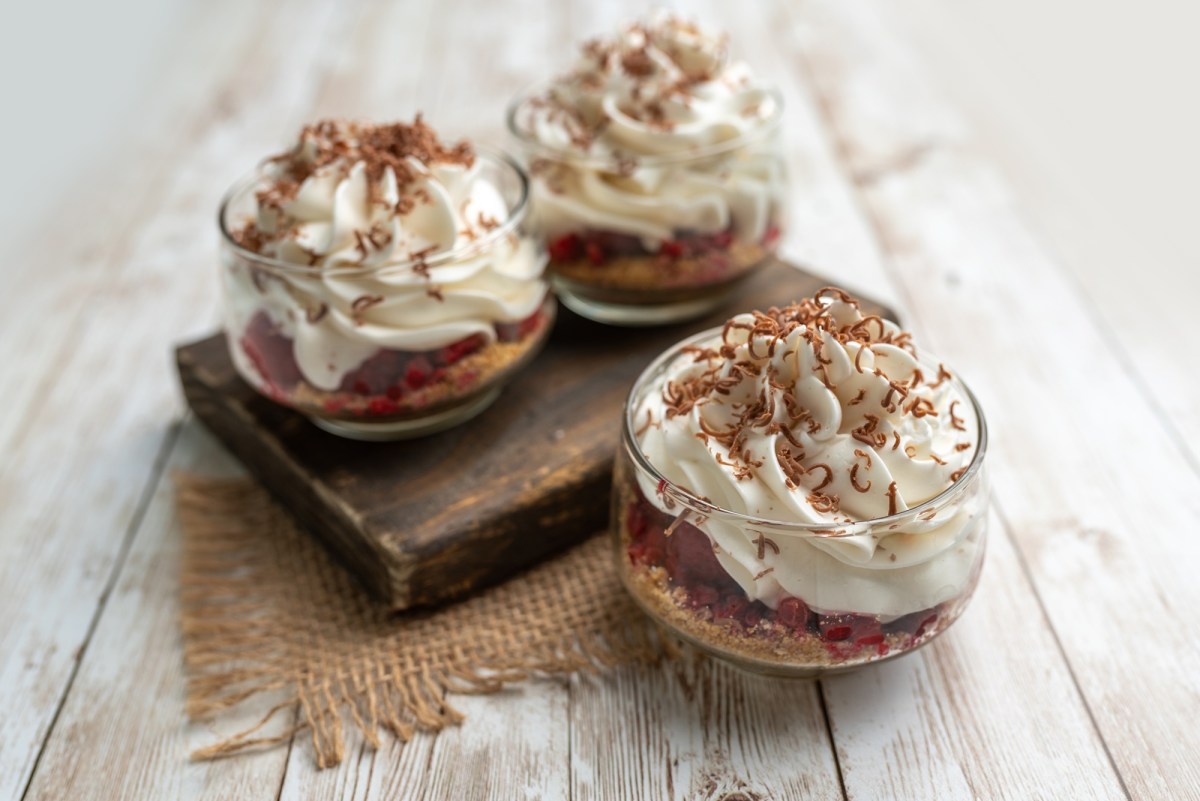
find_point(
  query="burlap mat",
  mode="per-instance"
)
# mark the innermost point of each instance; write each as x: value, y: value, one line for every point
x: 266, y: 610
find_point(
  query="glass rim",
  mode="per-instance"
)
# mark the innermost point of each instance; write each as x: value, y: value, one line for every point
x: 472, y: 248
x: 794, y: 527
x: 540, y: 149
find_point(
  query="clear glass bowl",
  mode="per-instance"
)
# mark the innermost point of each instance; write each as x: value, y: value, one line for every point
x: 846, y: 616
x: 603, y: 269
x: 392, y: 393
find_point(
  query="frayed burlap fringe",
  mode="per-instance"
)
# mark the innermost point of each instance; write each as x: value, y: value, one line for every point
x: 266, y: 611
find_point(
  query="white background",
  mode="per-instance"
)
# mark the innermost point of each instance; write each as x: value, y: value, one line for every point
x: 1091, y: 108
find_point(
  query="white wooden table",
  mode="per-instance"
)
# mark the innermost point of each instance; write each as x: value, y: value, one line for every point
x: 1075, y: 673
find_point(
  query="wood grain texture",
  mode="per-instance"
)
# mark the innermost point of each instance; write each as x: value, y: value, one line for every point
x: 429, y: 519
x: 696, y: 729
x: 1106, y: 566
x: 122, y: 732
x: 888, y: 198
x: 916, y: 728
x: 77, y: 473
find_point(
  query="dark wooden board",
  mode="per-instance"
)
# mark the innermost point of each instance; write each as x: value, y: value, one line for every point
x: 426, y: 520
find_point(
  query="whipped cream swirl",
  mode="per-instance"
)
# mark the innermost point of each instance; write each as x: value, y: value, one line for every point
x: 396, y: 238
x: 630, y: 125
x: 819, y: 414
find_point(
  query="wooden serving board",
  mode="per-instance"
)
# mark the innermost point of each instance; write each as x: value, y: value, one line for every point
x: 426, y: 520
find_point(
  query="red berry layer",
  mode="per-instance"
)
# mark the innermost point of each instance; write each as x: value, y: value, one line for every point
x: 691, y: 566
x: 387, y: 382
x: 599, y: 248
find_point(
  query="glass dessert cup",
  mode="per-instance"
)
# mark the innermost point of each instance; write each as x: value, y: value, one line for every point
x: 587, y: 210
x: 389, y: 392
x: 832, y: 615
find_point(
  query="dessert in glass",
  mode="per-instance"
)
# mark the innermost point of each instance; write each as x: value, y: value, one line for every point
x: 800, y: 491
x: 379, y: 280
x: 657, y: 170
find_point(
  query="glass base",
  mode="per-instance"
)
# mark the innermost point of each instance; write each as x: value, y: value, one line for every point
x: 633, y: 315
x: 392, y: 430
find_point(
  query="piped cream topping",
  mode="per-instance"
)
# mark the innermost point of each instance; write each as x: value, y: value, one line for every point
x: 818, y: 414
x: 369, y: 208
x: 661, y: 87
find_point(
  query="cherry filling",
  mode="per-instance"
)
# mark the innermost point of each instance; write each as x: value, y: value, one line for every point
x: 383, y: 383
x: 601, y: 247
x: 687, y: 557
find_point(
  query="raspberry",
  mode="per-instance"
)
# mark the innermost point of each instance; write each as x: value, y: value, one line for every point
x: 672, y: 249
x: 565, y: 248
x: 457, y: 351
x: 381, y: 406
x: 418, y: 372
x: 793, y: 613
x: 835, y: 628
x: 595, y: 253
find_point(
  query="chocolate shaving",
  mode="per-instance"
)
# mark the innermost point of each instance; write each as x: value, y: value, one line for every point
x: 338, y: 146
x: 825, y: 504
x: 315, y: 316
x: 942, y: 375
x: 763, y: 543
x: 956, y: 422
x: 921, y: 407
x: 828, y: 475
x: 891, y: 496
x: 361, y: 304
x: 854, y: 476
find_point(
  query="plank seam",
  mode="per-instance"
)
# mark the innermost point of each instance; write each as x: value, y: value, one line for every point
x: 1062, y: 652
x: 131, y: 531
x: 287, y: 759
x: 837, y: 762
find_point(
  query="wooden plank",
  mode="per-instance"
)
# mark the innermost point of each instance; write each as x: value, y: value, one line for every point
x: 121, y: 732
x: 512, y: 745
x: 698, y: 729
x: 107, y: 401
x: 1113, y: 573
